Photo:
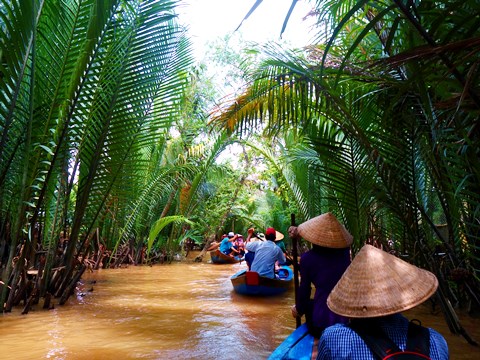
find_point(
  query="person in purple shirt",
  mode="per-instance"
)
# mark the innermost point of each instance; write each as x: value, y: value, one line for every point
x: 321, y: 266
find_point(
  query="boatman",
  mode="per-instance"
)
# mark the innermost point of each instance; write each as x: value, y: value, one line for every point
x: 373, y: 292
x: 321, y: 266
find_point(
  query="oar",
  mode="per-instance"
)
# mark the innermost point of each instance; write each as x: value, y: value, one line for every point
x: 295, y: 268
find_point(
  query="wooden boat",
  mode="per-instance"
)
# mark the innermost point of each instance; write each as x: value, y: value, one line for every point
x: 250, y: 283
x: 298, y: 345
x: 220, y: 258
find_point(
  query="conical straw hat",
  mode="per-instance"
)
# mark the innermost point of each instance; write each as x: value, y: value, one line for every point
x: 377, y: 284
x: 278, y: 236
x: 325, y: 230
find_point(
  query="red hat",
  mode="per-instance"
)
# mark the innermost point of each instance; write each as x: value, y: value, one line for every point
x: 270, y: 231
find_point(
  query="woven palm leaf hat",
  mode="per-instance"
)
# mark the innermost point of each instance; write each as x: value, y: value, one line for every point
x: 377, y: 284
x: 278, y: 235
x: 325, y: 230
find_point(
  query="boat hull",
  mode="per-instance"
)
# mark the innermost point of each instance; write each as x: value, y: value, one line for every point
x: 220, y: 258
x: 297, y: 346
x: 250, y: 283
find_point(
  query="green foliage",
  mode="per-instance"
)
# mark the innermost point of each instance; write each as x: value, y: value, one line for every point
x: 88, y: 89
x: 160, y: 224
x: 103, y: 129
x: 385, y: 108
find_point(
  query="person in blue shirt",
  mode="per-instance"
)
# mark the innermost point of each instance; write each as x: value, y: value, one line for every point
x: 250, y: 255
x: 267, y: 254
x: 226, y: 246
x: 372, y: 292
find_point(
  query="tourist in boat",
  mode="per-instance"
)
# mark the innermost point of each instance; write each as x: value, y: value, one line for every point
x: 281, y: 244
x: 373, y: 292
x: 226, y: 246
x: 239, y: 245
x: 249, y: 255
x: 267, y: 255
x: 322, y: 266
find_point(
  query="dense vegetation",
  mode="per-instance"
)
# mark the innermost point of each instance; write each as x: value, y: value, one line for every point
x: 381, y: 126
x: 106, y: 157
x: 107, y: 154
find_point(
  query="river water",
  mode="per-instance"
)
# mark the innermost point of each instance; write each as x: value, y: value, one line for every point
x: 176, y: 311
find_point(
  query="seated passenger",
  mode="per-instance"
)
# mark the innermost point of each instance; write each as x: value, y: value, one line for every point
x: 267, y: 254
x: 239, y: 245
x: 281, y: 244
x: 249, y: 255
x: 226, y: 246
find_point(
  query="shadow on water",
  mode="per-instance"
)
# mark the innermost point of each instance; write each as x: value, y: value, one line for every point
x: 177, y: 311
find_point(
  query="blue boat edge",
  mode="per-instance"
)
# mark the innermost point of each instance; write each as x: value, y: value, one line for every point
x: 297, y: 346
x: 280, y: 284
x: 287, y: 274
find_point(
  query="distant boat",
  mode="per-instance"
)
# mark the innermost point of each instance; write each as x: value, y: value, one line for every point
x: 297, y: 346
x: 250, y: 283
x: 220, y: 258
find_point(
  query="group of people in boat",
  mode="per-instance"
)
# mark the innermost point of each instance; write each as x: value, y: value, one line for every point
x: 232, y: 244
x: 265, y: 257
x: 355, y: 312
x: 356, y: 309
x: 263, y: 253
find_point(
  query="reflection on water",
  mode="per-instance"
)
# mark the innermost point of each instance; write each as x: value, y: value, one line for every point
x: 177, y: 311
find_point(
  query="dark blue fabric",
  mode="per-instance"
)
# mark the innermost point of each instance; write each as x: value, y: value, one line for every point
x: 418, y: 340
x: 249, y: 258
x: 340, y: 342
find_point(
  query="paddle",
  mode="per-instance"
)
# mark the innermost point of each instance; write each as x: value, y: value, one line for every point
x: 295, y: 267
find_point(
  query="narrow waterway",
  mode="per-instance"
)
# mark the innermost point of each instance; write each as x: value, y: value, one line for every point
x: 177, y: 311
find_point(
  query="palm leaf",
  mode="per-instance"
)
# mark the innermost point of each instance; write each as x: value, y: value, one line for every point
x: 160, y: 224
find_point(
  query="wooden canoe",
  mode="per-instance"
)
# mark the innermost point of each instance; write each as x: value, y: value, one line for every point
x: 298, y: 345
x: 250, y: 283
x: 220, y: 258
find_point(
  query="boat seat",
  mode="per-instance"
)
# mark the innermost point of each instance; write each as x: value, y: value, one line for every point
x: 252, y: 278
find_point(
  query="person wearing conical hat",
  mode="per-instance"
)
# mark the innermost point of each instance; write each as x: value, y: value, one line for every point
x: 373, y: 292
x: 281, y: 244
x: 322, y: 266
